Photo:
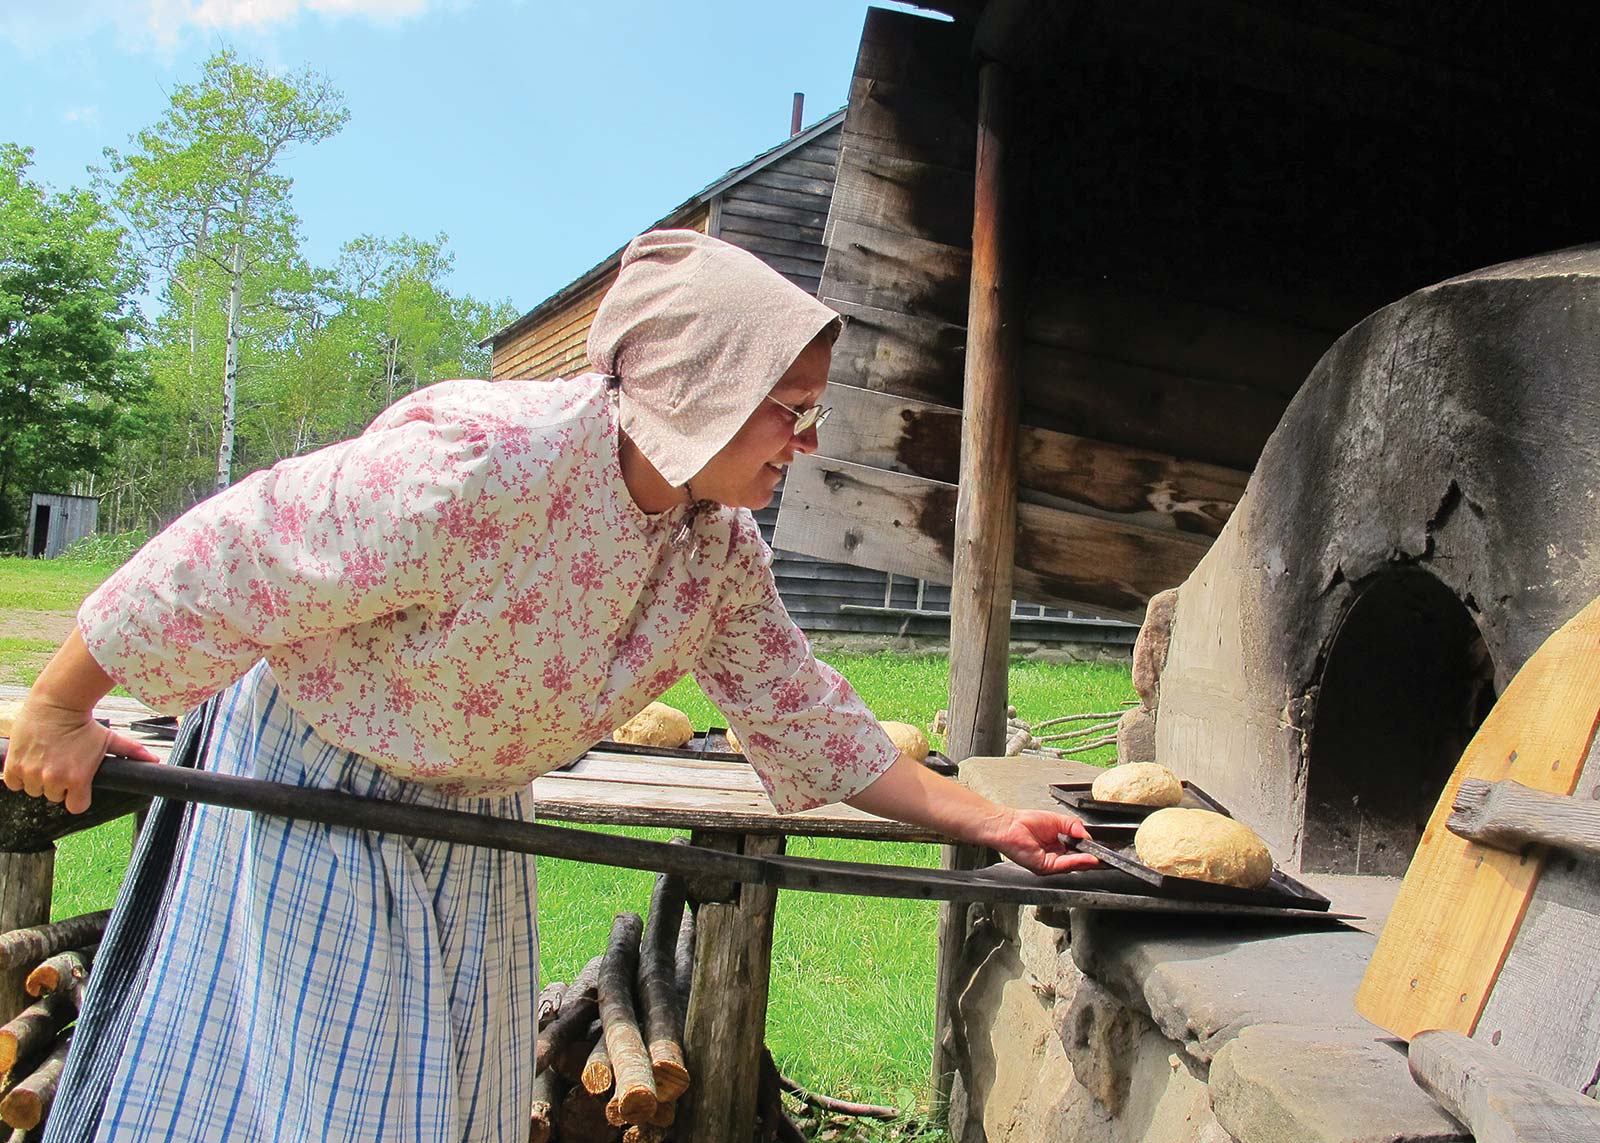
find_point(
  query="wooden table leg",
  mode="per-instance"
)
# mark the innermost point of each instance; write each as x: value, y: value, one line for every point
x: 26, y: 880
x: 727, y: 1020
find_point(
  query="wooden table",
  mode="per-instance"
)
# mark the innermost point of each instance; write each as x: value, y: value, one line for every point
x: 724, y: 806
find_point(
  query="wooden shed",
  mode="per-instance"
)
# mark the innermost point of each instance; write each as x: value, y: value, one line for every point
x: 776, y: 206
x: 56, y: 519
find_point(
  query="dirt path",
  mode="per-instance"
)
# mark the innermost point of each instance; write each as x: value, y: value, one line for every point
x: 28, y: 623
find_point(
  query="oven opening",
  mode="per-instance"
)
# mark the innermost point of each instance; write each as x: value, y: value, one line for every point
x: 1407, y: 683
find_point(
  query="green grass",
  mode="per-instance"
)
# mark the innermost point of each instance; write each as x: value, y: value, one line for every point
x: 49, y: 585
x: 851, y: 999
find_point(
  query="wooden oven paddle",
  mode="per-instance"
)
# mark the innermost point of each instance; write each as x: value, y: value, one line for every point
x: 1461, y: 902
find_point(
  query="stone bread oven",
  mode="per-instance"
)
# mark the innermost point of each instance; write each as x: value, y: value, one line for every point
x: 1424, y: 516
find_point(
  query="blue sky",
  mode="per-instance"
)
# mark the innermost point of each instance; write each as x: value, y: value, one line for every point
x: 540, y: 136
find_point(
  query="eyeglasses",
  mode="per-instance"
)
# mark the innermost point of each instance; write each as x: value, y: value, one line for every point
x: 808, y: 418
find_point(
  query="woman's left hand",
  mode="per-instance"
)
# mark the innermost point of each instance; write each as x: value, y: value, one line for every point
x: 1032, y: 838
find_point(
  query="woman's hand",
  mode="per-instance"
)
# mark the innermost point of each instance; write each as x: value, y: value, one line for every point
x: 910, y: 792
x: 1033, y: 839
x: 55, y: 752
x: 56, y: 745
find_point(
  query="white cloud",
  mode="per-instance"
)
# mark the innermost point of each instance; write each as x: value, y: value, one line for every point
x: 37, y: 25
x: 88, y: 116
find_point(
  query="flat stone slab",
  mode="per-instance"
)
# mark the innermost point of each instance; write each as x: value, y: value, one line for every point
x: 1203, y: 980
x: 1272, y: 1084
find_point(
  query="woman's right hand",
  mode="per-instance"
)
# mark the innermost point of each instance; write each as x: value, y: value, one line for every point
x: 55, y: 752
x: 56, y: 745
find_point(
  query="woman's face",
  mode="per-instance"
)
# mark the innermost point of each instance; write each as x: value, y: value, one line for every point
x: 746, y: 472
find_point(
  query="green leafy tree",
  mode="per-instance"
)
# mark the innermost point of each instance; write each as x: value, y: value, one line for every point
x: 204, y: 191
x: 67, y: 371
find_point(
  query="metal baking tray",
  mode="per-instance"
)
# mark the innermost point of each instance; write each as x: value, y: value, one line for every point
x: 1078, y: 796
x: 1282, y: 890
x: 712, y: 745
x: 163, y: 726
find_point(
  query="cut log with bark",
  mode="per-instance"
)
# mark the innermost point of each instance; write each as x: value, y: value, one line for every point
x: 26, y: 1104
x: 67, y: 970
x: 635, y: 1097
x: 547, y: 1091
x: 582, y: 1119
x: 666, y: 1114
x: 662, y: 1005
x: 644, y: 1133
x: 579, y: 1006
x: 550, y: 998
x: 596, y: 1075
x: 30, y: 1035
x: 22, y: 947
x: 683, y: 957
x: 573, y: 1056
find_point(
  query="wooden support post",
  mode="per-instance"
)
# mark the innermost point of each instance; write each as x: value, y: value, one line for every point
x: 727, y: 1020
x: 25, y: 883
x: 986, y: 513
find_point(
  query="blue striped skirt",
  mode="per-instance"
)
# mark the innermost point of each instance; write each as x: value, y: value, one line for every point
x: 263, y: 979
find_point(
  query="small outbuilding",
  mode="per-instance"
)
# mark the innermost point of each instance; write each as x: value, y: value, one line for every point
x: 56, y: 519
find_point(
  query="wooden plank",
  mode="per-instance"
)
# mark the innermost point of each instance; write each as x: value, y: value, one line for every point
x: 910, y: 123
x: 908, y: 196
x: 628, y: 769
x: 1509, y: 816
x: 1544, y: 1010
x: 804, y: 167
x: 893, y: 352
x: 797, y: 184
x: 1459, y: 907
x: 779, y: 197
x: 1141, y: 487
x: 894, y: 522
x: 739, y: 206
x: 786, y: 230
x: 916, y: 51
x: 1209, y: 421
x: 1185, y: 336
x: 591, y: 811
x: 758, y: 241
x: 1498, y: 1100
x: 897, y: 272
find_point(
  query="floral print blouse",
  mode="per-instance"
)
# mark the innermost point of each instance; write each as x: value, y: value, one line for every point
x: 467, y: 594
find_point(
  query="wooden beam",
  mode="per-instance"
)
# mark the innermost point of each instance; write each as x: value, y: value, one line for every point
x: 986, y: 510
x: 1507, y: 815
x: 849, y: 513
x: 1138, y: 487
x: 1499, y: 1101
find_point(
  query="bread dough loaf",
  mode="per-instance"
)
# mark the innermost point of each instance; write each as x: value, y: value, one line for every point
x: 907, y: 739
x: 1139, y: 784
x: 1205, y: 846
x: 734, y: 745
x: 9, y: 711
x: 656, y: 725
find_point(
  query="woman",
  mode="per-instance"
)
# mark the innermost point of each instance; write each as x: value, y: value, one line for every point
x: 471, y: 593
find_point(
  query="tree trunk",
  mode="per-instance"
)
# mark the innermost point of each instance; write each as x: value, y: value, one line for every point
x: 230, y: 370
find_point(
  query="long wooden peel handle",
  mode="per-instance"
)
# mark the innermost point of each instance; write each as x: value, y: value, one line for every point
x: 336, y: 808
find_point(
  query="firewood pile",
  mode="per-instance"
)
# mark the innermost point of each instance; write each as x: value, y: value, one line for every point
x: 33, y: 1046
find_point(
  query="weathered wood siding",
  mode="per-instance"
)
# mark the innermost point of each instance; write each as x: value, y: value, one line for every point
x: 778, y: 212
x: 1142, y: 414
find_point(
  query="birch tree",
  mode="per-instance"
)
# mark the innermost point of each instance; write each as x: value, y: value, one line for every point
x: 204, y: 190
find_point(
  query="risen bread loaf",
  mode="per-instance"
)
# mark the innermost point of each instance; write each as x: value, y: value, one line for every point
x: 656, y: 725
x: 1139, y: 784
x: 1204, y: 846
x: 8, y: 716
x: 734, y: 745
x: 907, y: 739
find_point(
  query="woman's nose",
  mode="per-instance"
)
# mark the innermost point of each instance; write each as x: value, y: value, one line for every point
x: 806, y: 442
